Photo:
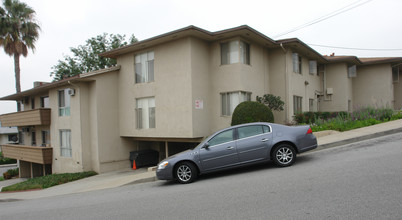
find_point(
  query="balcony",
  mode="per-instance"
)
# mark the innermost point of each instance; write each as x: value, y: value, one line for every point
x: 39, y: 155
x: 32, y: 117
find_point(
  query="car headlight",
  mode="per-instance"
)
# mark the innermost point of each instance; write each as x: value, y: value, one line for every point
x: 162, y: 165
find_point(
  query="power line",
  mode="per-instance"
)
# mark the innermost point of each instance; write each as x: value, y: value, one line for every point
x: 352, y: 48
x: 325, y: 17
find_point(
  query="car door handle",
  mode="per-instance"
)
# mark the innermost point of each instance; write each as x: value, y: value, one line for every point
x: 264, y: 140
x: 230, y: 148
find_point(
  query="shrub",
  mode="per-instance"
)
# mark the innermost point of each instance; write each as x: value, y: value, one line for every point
x: 11, y: 173
x: 4, y: 160
x: 249, y: 111
x: 273, y: 102
x: 48, y: 181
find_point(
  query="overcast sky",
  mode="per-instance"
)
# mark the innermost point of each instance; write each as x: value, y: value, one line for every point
x: 375, y: 24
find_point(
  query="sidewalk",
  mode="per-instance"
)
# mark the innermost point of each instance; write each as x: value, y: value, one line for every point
x: 120, y: 178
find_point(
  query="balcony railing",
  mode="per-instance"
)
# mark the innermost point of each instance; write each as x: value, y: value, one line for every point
x: 32, y: 117
x: 40, y: 155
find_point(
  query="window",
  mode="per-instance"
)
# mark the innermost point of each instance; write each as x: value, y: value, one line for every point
x: 352, y: 72
x: 45, y: 138
x: 221, y: 138
x: 33, y: 103
x: 297, y: 63
x: 146, y: 113
x: 311, y: 106
x: 64, y: 103
x: 144, y: 67
x: 313, y: 67
x: 249, y: 131
x: 65, y: 143
x: 395, y: 74
x: 231, y: 99
x: 33, y: 138
x: 44, y: 102
x: 297, y: 104
x: 235, y: 52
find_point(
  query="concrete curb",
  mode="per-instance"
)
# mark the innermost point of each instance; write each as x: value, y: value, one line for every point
x: 360, y: 138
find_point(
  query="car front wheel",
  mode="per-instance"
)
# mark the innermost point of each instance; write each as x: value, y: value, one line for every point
x: 284, y: 155
x: 186, y: 172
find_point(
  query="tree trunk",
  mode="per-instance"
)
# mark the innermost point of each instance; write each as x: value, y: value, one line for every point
x: 17, y: 77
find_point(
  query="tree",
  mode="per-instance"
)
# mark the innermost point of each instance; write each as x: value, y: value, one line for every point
x: 18, y: 33
x: 85, y: 57
x: 249, y: 111
x: 273, y: 102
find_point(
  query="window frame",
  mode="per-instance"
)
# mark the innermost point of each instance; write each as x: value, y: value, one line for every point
x: 149, y: 64
x: 262, y: 129
x: 43, y: 102
x: 64, y: 107
x: 220, y: 133
x: 68, y: 146
x: 395, y: 74
x: 297, y: 104
x: 313, y: 67
x: 242, y: 52
x: 297, y: 62
x: 352, y: 71
x: 151, y: 111
x: 226, y: 110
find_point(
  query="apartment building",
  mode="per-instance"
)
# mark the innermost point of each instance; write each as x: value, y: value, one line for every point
x: 169, y: 92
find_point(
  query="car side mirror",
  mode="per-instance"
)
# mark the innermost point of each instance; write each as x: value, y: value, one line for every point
x: 206, y: 145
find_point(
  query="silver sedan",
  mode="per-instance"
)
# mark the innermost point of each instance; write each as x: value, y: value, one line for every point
x: 238, y: 146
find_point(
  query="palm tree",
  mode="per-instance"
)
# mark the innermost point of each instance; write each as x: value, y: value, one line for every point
x: 18, y: 33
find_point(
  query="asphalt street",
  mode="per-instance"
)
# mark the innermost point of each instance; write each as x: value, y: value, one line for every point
x: 355, y: 181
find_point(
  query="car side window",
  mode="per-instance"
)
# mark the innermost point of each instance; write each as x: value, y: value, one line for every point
x: 249, y: 131
x: 266, y: 129
x: 221, y: 138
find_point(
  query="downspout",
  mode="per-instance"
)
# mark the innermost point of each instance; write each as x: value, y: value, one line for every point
x: 286, y: 84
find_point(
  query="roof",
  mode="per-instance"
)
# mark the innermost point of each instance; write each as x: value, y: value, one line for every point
x: 193, y: 31
x: 300, y: 47
x: 380, y: 60
x: 47, y: 86
x: 344, y: 59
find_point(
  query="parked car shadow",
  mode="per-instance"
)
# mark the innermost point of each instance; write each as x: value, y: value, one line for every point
x: 301, y: 159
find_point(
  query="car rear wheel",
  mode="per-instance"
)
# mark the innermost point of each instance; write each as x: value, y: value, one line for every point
x: 186, y: 172
x: 284, y: 155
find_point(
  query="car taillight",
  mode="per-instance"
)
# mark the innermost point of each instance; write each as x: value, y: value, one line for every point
x: 309, y: 131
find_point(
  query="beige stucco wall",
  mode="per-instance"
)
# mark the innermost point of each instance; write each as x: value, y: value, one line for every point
x: 373, y: 87
x: 171, y: 89
x: 304, y: 85
x: 201, y: 88
x: 73, y: 123
x: 278, y: 83
x: 252, y: 78
x: 336, y: 77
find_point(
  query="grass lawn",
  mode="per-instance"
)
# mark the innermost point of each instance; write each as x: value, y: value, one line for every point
x: 44, y: 182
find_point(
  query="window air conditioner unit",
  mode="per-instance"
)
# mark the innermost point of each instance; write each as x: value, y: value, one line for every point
x: 330, y: 91
x: 71, y: 92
